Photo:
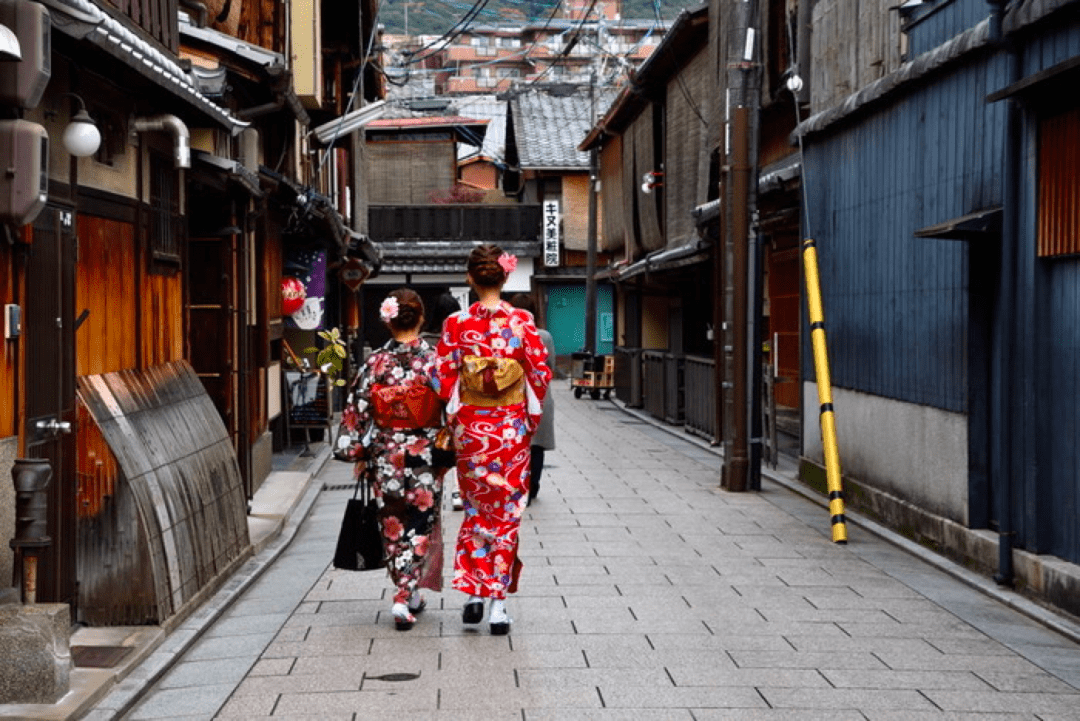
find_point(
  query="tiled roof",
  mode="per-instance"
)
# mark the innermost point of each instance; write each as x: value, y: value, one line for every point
x: 548, y: 128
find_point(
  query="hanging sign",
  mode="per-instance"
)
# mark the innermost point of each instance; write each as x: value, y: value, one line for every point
x: 354, y: 273
x: 552, y: 232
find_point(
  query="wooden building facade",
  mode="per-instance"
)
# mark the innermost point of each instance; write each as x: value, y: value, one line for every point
x: 151, y: 279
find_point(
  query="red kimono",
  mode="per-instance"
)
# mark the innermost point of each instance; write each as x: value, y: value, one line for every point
x: 492, y: 443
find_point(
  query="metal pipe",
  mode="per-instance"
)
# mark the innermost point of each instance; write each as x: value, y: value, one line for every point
x: 1007, y: 331
x: 200, y: 11
x: 590, y: 256
x: 172, y: 124
x: 824, y: 389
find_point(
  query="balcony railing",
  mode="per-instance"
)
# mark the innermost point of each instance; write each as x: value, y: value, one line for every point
x: 455, y: 221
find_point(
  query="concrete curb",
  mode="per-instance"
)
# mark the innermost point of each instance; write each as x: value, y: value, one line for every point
x: 1055, y: 622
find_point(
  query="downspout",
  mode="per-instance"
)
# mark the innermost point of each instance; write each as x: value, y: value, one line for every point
x: 180, y: 133
x: 201, y: 13
x: 1007, y: 298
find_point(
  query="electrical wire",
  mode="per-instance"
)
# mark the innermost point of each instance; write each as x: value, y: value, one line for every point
x: 450, y: 35
x: 355, y: 87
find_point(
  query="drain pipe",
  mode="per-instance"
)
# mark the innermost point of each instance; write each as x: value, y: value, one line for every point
x: 174, y: 125
x: 1007, y: 297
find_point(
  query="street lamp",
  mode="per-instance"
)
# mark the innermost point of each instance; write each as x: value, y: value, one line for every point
x: 81, y: 137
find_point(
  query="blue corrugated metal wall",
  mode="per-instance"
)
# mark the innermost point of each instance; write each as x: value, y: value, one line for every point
x: 943, y: 21
x: 896, y: 305
x: 1062, y: 350
x: 1050, y: 496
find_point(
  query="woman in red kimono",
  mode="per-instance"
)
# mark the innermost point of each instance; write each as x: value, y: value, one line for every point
x: 493, y: 372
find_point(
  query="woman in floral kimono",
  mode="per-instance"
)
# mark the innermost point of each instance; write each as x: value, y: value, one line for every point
x: 493, y: 372
x: 396, y: 392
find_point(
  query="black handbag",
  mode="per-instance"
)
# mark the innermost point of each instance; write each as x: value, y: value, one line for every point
x: 359, y: 545
x: 442, y: 450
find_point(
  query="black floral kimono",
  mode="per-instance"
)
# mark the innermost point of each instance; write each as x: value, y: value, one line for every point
x: 407, y: 487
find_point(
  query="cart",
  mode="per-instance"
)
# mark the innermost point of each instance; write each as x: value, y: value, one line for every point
x: 592, y: 374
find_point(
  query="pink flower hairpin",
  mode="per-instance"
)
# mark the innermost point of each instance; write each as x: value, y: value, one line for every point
x: 389, y: 309
x: 508, y: 262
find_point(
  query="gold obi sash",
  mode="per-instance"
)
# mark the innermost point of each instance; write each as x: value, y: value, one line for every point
x: 491, y: 382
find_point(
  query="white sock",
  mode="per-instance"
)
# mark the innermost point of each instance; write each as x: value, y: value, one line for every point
x: 498, y: 611
x: 475, y: 599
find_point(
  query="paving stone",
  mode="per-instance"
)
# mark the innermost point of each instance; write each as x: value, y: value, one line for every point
x: 845, y: 699
x: 177, y: 702
x: 1006, y: 702
x: 198, y: 674
x: 366, y: 704
x: 634, y: 697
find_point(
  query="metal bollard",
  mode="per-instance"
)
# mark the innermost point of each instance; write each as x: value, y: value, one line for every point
x: 31, y: 477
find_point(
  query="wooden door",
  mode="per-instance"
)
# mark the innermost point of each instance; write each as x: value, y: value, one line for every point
x: 49, y: 336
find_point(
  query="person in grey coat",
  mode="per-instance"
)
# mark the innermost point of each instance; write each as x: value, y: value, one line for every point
x: 544, y: 438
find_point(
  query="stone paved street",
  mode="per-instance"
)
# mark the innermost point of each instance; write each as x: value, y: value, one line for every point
x: 648, y: 594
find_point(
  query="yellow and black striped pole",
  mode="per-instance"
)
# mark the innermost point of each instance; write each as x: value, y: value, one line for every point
x: 824, y: 389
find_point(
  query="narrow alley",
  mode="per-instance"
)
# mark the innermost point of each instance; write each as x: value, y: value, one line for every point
x: 648, y: 593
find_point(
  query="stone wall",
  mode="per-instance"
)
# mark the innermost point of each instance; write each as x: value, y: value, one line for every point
x: 8, y: 450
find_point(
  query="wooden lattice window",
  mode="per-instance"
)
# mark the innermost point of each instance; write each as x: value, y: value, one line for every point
x: 164, y: 209
x: 1059, y: 184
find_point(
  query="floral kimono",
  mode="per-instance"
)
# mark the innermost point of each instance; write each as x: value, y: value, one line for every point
x: 407, y: 487
x: 491, y: 436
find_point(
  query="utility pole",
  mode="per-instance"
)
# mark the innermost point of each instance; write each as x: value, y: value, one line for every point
x: 740, y: 115
x: 590, y: 258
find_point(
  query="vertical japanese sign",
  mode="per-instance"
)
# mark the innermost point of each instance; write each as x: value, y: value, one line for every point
x: 552, y: 233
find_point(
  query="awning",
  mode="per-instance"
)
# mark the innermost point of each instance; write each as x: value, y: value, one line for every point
x: 349, y: 122
x: 982, y: 224
x: 665, y: 259
x: 234, y: 171
x: 83, y: 20
x: 312, y: 218
x: 778, y: 175
x: 1062, y: 76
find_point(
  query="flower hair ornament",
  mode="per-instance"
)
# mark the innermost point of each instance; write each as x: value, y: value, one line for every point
x: 389, y: 309
x: 508, y: 262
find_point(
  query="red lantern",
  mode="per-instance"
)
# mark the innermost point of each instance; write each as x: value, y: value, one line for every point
x: 293, y: 295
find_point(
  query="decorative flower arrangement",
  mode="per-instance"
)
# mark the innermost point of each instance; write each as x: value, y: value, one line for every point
x: 508, y: 262
x: 389, y: 309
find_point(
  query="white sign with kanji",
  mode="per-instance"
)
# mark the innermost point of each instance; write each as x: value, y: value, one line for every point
x: 552, y: 232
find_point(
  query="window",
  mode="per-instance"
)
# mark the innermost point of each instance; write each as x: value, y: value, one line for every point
x: 164, y: 222
x: 1059, y: 185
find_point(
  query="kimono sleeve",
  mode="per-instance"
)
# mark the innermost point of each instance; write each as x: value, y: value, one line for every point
x: 448, y: 360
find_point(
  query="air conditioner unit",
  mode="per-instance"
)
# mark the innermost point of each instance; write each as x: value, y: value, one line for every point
x: 23, y: 82
x: 24, y: 171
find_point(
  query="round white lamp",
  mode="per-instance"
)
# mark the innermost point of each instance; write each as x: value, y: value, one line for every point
x: 82, y: 137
